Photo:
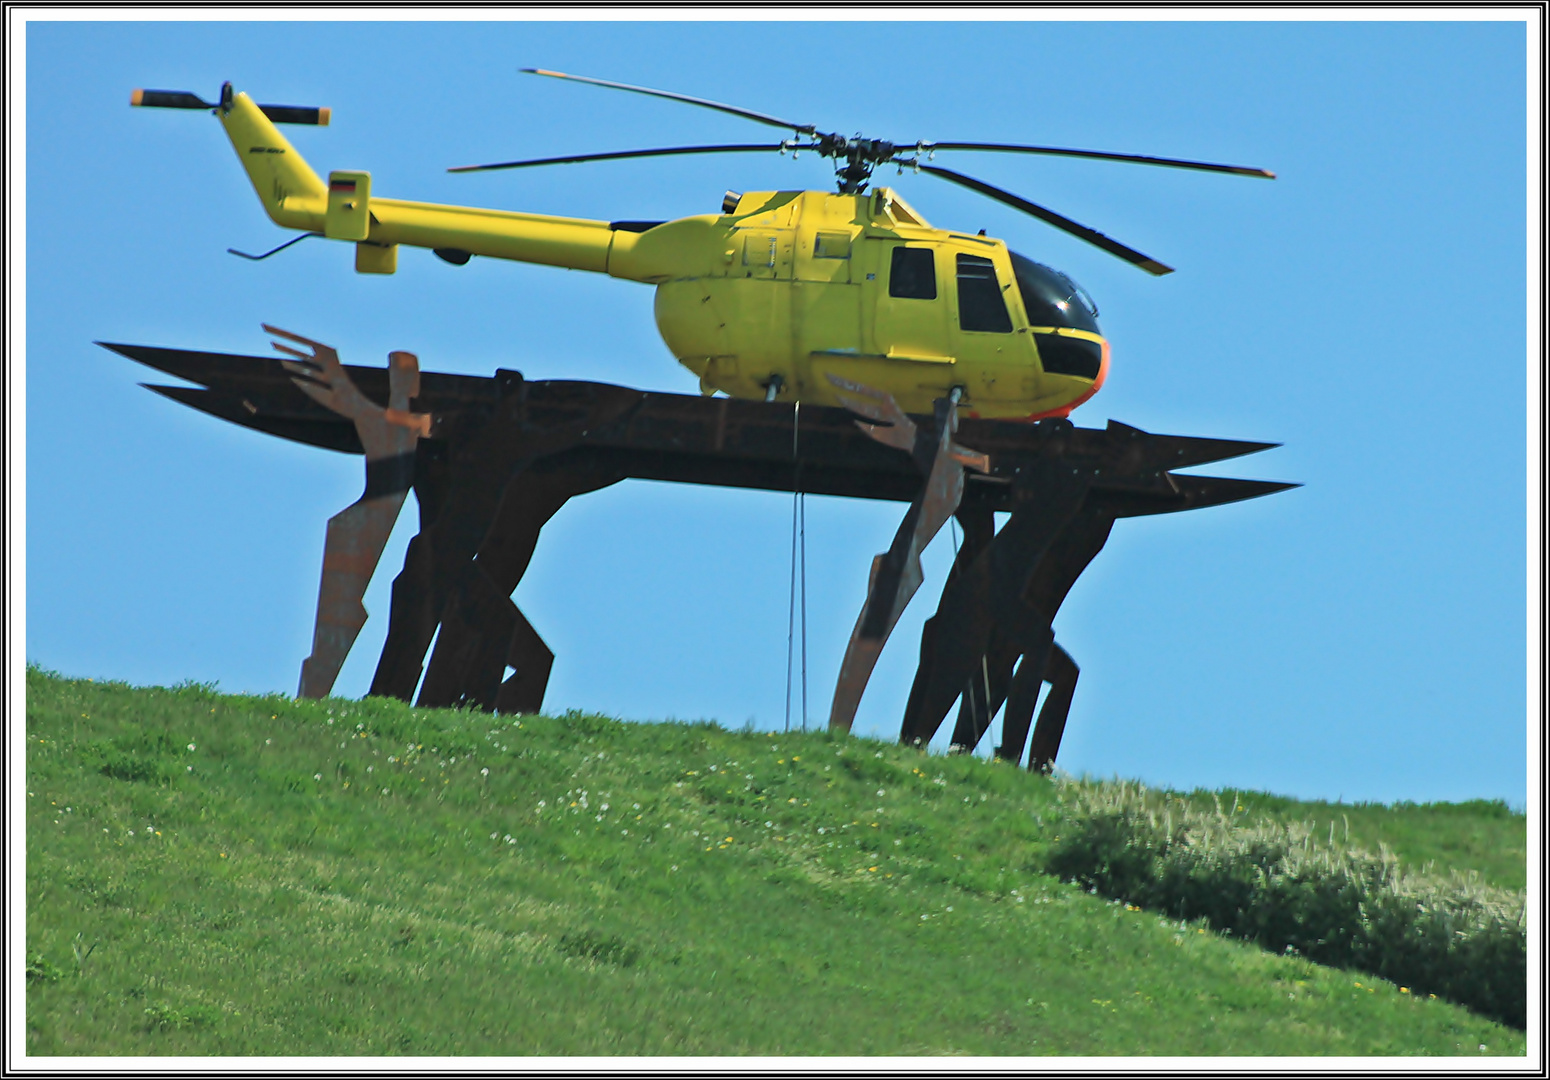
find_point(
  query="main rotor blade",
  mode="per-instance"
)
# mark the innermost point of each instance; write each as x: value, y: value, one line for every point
x: 617, y: 154
x: 746, y: 114
x: 1092, y: 236
x: 1139, y: 159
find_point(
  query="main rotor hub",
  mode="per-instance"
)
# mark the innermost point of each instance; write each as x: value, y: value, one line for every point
x: 860, y: 157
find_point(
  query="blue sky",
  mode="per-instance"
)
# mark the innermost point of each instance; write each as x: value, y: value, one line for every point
x: 1362, y: 637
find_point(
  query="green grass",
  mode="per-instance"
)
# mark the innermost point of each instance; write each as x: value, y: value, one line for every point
x: 345, y: 878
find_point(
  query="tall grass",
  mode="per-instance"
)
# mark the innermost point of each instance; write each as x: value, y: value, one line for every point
x: 1276, y: 884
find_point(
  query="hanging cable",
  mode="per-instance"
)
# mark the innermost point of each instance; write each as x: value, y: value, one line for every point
x: 802, y: 514
x: 798, y: 537
x: 791, y: 606
x: 791, y: 609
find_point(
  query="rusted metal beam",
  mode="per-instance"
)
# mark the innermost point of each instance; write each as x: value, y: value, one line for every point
x: 896, y: 574
x: 721, y: 442
x: 357, y: 534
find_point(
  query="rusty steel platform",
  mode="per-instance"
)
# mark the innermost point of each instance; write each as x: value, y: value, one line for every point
x: 491, y: 459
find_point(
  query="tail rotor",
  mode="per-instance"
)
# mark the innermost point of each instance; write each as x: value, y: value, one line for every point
x: 182, y: 99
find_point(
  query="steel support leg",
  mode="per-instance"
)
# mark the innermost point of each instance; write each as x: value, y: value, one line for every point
x: 1024, y: 695
x: 989, y: 594
x: 1024, y: 630
x: 352, y: 547
x: 896, y: 574
x: 986, y: 689
x: 1061, y: 674
x: 482, y: 630
x: 479, y: 468
x: 530, y: 661
x: 470, y: 655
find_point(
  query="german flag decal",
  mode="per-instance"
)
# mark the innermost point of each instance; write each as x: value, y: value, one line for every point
x: 347, y: 186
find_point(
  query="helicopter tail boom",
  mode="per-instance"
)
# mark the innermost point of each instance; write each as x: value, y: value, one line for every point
x: 574, y: 243
x: 344, y: 208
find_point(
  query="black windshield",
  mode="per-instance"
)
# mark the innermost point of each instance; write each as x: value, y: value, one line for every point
x: 1051, y: 298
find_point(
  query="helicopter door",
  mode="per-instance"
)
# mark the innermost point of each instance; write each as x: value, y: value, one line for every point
x: 907, y: 301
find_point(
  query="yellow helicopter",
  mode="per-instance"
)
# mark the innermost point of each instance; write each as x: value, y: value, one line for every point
x: 781, y: 293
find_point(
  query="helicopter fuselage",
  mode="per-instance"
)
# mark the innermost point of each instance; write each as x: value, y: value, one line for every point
x: 764, y: 300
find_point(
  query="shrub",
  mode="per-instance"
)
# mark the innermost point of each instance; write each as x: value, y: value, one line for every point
x: 1274, y: 884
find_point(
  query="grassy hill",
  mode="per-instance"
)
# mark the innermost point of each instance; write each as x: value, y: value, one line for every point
x: 225, y: 875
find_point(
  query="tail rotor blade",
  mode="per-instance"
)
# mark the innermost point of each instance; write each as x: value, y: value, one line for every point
x: 169, y: 99
x: 1065, y: 224
x: 296, y: 114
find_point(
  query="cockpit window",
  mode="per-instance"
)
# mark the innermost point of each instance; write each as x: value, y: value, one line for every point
x: 912, y: 274
x: 980, y: 306
x: 1052, y: 299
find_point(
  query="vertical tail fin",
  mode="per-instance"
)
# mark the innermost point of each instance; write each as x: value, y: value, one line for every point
x: 291, y: 192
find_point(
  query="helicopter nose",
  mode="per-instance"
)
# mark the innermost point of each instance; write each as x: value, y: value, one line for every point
x: 1099, y: 373
x: 1086, y: 357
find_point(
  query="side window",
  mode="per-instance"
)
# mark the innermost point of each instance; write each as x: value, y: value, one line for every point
x: 913, y: 274
x: 831, y: 245
x: 980, y: 306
